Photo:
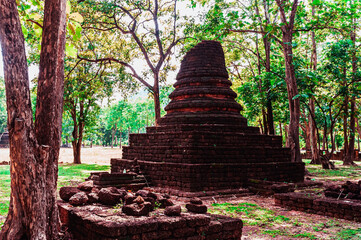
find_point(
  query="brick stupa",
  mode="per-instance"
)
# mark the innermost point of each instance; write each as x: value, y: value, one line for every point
x: 203, y: 143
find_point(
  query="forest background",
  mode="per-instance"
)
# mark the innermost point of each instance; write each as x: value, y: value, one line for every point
x: 120, y: 48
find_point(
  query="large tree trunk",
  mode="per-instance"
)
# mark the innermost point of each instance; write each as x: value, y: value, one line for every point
x: 270, y: 122
x: 312, y: 117
x: 294, y: 104
x: 292, y: 91
x: 34, y: 151
x: 350, y: 156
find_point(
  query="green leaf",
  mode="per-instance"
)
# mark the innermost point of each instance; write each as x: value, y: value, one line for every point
x: 25, y: 31
x: 295, y: 97
x: 71, y: 50
x: 38, y: 30
x: 316, y: 2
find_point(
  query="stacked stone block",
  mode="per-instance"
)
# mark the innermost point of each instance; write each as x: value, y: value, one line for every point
x: 203, y: 142
x: 93, y: 223
x: 346, y: 209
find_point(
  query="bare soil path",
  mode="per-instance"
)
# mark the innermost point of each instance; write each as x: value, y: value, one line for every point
x: 94, y: 155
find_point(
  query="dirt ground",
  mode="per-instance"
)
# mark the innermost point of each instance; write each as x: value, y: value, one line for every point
x: 95, y: 155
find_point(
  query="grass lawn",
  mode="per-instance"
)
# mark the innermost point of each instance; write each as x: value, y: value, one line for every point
x: 262, y: 219
x: 341, y: 173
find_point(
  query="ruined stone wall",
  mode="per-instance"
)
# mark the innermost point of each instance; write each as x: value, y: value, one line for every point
x: 346, y: 209
x: 86, y: 225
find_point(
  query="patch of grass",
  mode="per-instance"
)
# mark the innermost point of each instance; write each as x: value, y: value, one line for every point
x: 274, y: 233
x: 305, y: 235
x: 4, y: 207
x: 341, y: 173
x: 71, y: 174
x: 296, y: 223
x: 251, y: 214
x: 349, y: 234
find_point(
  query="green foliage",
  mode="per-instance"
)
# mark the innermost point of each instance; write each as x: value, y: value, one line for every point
x: 129, y: 116
x: 70, y: 174
x: 32, y: 17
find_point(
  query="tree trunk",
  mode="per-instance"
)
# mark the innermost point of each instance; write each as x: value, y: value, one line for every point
x: 261, y: 127
x: 34, y: 151
x: 350, y: 156
x: 345, y: 135
x: 156, y: 98
x: 294, y: 104
x: 112, y: 145
x: 324, y: 139
x: 308, y: 140
x: 292, y: 91
x: 264, y: 118
x: 313, y: 134
x: 312, y: 117
x: 270, y: 122
x: 114, y: 130
x: 77, y: 145
x: 77, y: 132
x: 120, y: 140
x: 286, y: 135
x: 280, y: 125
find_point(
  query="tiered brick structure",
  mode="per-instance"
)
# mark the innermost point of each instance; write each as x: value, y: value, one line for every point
x: 203, y: 143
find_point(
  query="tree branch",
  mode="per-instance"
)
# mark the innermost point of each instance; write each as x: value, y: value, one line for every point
x: 110, y: 59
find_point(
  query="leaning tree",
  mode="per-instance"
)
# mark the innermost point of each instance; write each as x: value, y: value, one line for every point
x: 34, y: 147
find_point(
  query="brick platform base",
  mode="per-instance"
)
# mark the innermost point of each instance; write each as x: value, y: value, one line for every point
x: 209, y: 177
x: 102, y: 223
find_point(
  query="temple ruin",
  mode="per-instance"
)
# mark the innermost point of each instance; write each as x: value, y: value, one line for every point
x: 203, y: 143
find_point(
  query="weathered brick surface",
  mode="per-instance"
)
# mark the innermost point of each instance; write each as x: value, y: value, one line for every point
x: 199, y: 177
x: 98, y: 223
x: 346, y: 209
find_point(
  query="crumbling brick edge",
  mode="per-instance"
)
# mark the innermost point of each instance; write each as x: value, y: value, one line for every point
x: 344, y: 209
x: 91, y: 223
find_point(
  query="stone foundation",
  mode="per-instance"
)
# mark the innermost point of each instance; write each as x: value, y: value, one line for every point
x: 102, y: 223
x: 213, y: 176
x: 268, y: 188
x: 346, y: 209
